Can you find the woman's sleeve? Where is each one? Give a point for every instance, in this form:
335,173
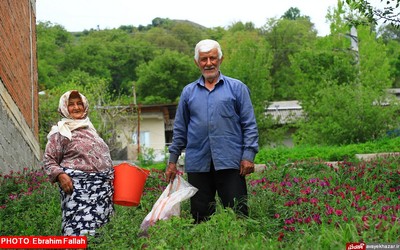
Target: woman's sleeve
52,157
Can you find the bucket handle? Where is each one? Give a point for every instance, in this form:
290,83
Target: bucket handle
141,169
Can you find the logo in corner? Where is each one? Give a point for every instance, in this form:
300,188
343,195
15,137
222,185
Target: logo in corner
356,246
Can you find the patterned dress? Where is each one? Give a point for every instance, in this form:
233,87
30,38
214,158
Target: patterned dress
86,159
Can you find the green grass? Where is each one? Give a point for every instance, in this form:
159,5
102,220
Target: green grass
283,155
302,205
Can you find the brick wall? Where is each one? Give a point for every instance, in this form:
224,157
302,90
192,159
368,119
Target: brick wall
19,125
18,70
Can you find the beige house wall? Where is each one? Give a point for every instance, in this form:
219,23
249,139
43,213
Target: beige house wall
150,123
155,126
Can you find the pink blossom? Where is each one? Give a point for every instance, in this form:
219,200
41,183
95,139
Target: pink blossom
13,196
307,190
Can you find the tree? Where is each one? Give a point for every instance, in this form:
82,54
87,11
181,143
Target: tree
287,37
389,33
188,32
391,38
248,57
163,78
353,116
343,98
52,41
240,26
388,12
163,39
293,13
109,54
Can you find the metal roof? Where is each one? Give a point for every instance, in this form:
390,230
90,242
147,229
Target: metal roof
284,111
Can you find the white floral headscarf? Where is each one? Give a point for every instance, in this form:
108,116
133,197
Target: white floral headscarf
67,123
63,104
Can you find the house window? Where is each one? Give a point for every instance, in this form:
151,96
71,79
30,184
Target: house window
144,138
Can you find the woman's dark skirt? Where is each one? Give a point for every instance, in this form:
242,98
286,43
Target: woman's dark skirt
90,205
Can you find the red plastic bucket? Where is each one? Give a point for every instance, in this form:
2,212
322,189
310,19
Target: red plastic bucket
129,183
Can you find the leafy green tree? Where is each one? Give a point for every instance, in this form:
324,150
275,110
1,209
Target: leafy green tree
216,33
389,33
293,13
189,32
163,78
286,38
52,41
161,22
317,69
248,57
342,92
371,49
109,54
393,56
391,38
163,39
240,26
341,114
128,28
389,12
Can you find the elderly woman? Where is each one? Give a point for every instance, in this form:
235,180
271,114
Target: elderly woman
79,160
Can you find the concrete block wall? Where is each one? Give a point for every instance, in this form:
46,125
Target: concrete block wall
15,151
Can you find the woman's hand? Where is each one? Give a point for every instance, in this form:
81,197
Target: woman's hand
65,183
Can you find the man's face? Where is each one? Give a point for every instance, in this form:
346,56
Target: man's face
209,64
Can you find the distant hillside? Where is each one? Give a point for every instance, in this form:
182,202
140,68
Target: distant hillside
190,22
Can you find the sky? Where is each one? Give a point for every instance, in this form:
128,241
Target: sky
78,15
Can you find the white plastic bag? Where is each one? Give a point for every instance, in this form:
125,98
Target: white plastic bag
169,202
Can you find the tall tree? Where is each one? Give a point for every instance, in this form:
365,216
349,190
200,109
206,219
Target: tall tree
188,32
343,92
387,11
52,41
109,54
391,37
293,13
248,57
162,79
286,38
164,39
389,33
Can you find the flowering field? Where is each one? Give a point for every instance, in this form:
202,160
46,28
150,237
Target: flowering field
303,205
358,202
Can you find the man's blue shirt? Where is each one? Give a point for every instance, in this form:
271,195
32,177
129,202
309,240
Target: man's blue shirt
219,124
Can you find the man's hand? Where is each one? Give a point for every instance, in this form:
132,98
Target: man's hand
246,167
171,171
65,183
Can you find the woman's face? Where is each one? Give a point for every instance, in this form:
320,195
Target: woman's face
75,108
